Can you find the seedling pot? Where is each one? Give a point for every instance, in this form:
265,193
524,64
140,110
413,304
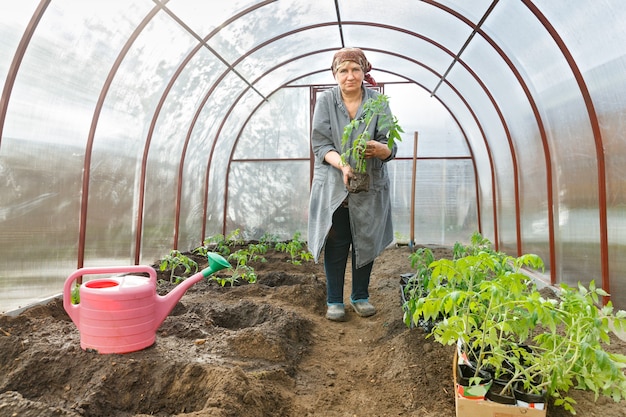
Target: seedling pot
360,182
477,391
529,400
494,394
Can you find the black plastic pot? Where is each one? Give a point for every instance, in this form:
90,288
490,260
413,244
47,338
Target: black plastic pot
426,325
463,375
505,373
465,372
494,394
522,396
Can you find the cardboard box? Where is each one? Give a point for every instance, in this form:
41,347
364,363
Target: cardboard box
485,408
466,407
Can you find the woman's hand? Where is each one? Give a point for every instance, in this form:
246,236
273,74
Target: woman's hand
377,149
334,159
347,172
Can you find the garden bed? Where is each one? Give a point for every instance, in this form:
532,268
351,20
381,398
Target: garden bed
261,349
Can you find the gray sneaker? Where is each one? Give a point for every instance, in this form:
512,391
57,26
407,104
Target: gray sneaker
336,312
363,308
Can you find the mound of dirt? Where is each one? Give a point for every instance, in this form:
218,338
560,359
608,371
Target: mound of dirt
261,349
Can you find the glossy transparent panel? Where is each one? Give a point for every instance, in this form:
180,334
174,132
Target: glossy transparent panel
265,194
227,137
282,50
278,129
569,139
445,201
203,17
603,64
198,136
473,10
475,87
290,73
604,68
13,22
319,77
269,198
42,151
438,134
122,136
440,174
270,21
201,124
522,126
389,44
409,16
476,142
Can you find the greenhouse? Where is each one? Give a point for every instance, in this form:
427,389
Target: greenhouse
132,129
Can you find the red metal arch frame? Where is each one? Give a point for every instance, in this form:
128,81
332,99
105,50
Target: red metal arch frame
203,42
269,41
597,137
11,76
456,58
286,84
456,92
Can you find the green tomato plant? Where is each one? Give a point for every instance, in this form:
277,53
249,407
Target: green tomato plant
296,248
174,260
374,109
483,302
220,243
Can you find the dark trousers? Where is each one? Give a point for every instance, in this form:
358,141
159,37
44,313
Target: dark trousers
336,253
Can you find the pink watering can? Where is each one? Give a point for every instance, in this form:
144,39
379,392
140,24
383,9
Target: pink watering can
121,314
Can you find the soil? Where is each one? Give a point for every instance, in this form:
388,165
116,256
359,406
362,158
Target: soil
262,349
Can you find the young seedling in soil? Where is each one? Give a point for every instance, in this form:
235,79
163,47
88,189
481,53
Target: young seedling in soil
374,110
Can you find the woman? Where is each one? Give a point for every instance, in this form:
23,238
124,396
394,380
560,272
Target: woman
339,220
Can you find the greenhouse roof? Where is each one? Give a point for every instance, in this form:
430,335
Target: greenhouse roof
131,127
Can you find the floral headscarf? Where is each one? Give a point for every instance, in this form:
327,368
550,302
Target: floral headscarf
354,55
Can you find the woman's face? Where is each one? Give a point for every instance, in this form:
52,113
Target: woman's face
349,76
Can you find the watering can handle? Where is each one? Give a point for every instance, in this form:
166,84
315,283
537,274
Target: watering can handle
67,288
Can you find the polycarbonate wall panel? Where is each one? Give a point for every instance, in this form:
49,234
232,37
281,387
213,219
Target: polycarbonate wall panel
122,135
384,45
42,152
410,70
13,22
528,46
445,201
522,125
269,197
447,182
286,73
283,50
218,170
479,152
607,83
162,168
500,147
268,22
278,129
603,66
323,77
473,10
413,16
203,17
570,140
53,109
196,137
417,111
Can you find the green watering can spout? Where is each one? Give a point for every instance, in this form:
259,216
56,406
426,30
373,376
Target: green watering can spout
216,263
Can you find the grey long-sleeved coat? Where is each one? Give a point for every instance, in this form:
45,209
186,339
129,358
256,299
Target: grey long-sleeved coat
370,212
